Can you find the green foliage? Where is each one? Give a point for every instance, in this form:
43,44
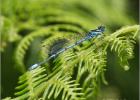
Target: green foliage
123,43
34,26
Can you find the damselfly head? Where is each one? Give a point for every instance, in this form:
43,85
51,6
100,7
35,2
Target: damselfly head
101,28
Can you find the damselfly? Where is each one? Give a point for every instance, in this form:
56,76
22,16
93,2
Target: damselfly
90,34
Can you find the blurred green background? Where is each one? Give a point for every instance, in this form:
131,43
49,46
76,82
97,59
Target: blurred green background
20,17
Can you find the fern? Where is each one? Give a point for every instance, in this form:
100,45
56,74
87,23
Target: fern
28,82
59,83
34,82
89,61
32,27
122,42
8,33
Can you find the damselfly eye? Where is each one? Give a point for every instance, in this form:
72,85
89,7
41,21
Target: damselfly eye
102,28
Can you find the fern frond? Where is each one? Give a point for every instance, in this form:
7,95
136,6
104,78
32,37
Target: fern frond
122,42
75,21
27,83
33,83
90,62
7,32
63,84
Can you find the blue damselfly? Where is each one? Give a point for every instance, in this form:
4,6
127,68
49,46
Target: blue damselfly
89,35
